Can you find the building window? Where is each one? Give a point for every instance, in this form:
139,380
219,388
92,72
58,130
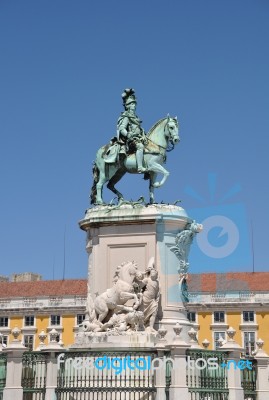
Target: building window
29,320
217,336
191,316
4,321
219,316
80,318
55,320
29,342
249,342
248,316
4,340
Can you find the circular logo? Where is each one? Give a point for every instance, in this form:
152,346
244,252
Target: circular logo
227,227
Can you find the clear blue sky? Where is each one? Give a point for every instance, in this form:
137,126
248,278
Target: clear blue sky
63,67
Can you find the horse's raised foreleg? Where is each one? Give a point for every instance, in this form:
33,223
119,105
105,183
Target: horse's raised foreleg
127,296
158,169
112,182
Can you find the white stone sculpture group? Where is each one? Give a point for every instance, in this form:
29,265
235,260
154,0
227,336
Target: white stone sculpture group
109,311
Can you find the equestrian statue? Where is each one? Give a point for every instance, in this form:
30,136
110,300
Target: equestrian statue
134,151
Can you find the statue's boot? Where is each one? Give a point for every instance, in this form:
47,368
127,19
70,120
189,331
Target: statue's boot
139,159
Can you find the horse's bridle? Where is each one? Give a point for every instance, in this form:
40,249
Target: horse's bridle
170,140
167,148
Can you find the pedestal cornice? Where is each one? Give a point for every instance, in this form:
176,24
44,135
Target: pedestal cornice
128,214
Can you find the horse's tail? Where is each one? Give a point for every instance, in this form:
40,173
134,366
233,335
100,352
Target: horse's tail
95,173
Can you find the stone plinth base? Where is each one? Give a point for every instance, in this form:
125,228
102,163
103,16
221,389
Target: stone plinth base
116,234
104,340
13,393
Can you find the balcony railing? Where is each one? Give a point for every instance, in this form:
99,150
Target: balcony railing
50,302
229,297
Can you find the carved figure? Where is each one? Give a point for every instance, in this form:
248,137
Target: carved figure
114,299
91,322
131,321
183,241
151,296
109,168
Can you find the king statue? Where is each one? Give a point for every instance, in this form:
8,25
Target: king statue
134,151
130,135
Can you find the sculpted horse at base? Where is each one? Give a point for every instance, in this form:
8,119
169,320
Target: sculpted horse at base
114,299
160,136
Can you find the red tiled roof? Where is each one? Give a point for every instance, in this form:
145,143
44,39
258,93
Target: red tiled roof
69,287
212,282
230,281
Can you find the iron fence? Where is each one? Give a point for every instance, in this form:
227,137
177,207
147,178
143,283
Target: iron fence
106,375
3,372
122,375
248,380
168,368
204,382
34,370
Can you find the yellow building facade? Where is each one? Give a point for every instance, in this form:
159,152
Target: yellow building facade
39,306
239,300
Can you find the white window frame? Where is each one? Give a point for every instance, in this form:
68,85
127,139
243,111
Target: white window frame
214,341
192,312
55,325
24,321
33,336
5,340
77,323
254,342
219,322
8,322
249,322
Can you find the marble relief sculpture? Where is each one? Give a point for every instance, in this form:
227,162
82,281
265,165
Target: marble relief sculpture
109,311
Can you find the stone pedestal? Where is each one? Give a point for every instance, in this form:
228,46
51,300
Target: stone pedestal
51,378
236,392
118,234
262,371
13,389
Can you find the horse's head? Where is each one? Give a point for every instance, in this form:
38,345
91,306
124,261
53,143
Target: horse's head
171,130
128,272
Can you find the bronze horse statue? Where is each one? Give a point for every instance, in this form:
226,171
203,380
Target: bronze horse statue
162,135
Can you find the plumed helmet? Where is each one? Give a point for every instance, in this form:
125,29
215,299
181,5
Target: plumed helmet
128,97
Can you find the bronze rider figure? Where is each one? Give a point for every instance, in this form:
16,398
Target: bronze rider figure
129,132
